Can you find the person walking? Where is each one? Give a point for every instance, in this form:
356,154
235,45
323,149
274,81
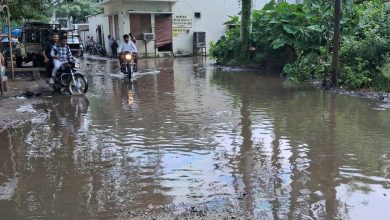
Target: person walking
114,46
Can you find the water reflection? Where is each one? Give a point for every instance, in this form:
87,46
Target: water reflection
268,148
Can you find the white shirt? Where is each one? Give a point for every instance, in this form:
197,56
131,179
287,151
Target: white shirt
130,47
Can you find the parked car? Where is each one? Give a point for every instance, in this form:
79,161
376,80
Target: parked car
75,45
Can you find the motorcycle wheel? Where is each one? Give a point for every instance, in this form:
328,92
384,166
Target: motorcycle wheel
78,86
129,70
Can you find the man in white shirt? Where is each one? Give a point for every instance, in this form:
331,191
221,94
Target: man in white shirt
128,46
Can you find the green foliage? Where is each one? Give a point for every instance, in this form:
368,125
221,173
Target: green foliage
385,69
29,10
308,66
305,33
78,10
227,48
364,55
234,20
42,10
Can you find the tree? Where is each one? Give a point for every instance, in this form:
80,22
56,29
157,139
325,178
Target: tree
29,10
246,12
77,10
336,42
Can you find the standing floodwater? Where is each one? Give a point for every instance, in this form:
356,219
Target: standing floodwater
192,134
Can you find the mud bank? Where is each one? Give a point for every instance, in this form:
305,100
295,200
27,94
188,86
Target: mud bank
16,111
17,104
381,96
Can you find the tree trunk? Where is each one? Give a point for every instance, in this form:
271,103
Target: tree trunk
336,42
245,27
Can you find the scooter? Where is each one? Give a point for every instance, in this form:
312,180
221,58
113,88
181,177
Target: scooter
69,80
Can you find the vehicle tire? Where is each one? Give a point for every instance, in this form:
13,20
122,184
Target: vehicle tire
78,86
129,70
19,61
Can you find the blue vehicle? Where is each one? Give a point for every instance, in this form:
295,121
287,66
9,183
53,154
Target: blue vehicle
15,31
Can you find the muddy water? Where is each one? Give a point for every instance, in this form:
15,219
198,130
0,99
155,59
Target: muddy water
192,135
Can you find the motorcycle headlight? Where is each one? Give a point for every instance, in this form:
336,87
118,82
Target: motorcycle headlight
128,56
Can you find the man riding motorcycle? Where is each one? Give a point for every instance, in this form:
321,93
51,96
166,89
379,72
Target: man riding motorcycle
128,46
61,54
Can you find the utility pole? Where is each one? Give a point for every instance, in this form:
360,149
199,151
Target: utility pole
336,42
10,44
8,2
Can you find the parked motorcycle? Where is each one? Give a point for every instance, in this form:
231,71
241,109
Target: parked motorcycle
128,65
69,80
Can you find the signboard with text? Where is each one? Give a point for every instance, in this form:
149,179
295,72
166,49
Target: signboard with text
181,24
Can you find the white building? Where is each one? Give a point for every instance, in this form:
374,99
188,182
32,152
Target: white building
171,22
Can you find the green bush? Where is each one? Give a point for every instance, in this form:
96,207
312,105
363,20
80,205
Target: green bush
363,54
299,39
385,69
227,48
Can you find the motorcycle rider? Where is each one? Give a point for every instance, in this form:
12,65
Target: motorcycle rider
128,46
61,54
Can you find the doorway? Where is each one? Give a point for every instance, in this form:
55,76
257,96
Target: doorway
163,32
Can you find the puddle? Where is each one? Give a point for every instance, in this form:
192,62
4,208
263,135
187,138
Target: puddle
26,108
177,137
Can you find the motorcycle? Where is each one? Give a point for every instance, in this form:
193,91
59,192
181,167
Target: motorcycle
69,80
128,65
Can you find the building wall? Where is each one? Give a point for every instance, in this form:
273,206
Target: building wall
125,8
213,14
211,21
94,22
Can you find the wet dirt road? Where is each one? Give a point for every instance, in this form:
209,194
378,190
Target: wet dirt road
242,144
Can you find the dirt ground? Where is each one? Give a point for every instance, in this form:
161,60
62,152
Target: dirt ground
16,104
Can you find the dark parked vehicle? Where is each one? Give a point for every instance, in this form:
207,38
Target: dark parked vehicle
75,45
34,36
5,46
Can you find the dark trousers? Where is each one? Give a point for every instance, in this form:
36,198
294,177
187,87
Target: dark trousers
114,51
49,67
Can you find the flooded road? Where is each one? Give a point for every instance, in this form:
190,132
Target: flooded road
186,134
